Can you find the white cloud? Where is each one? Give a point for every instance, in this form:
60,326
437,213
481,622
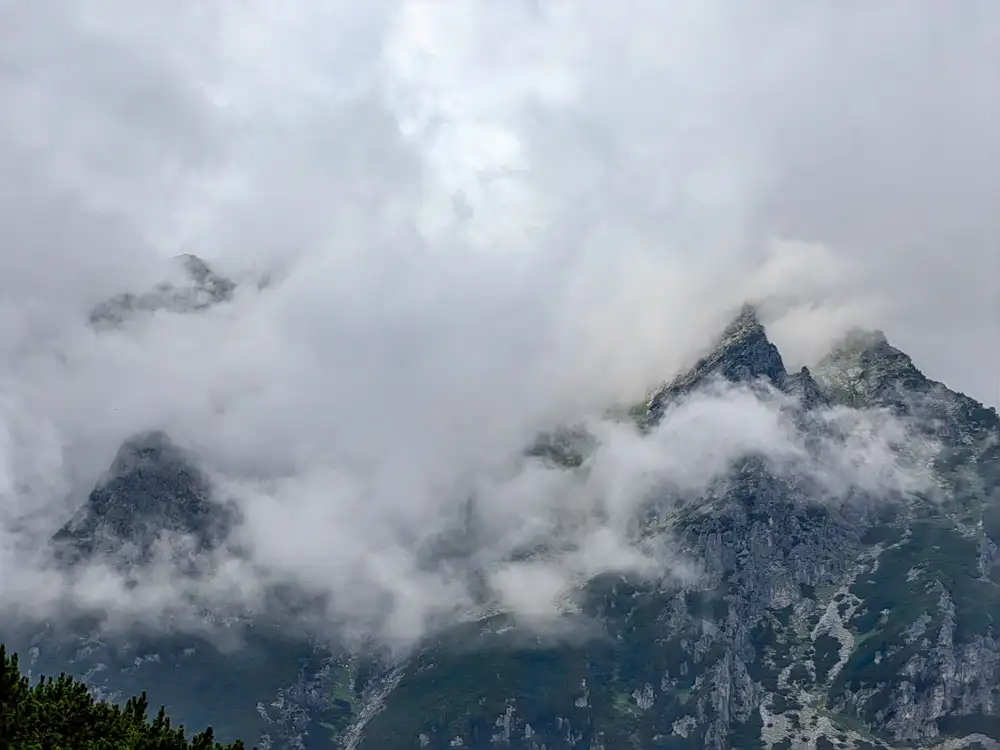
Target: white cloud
487,217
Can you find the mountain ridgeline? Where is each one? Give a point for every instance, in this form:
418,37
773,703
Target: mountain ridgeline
198,289
152,488
868,621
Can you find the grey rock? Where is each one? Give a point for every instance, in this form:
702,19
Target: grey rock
203,289
871,620
743,354
153,489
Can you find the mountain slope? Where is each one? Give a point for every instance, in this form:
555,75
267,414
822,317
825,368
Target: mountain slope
856,619
869,622
154,492
152,489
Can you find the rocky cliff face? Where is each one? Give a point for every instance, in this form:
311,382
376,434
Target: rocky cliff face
743,354
153,491
867,619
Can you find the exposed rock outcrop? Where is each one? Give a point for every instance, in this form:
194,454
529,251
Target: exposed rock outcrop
152,489
199,289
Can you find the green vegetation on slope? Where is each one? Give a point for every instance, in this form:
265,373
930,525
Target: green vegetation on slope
61,714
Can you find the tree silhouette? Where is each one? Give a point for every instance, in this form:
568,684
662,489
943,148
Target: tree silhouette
61,714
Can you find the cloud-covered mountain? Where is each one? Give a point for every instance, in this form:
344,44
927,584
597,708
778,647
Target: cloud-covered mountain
358,303
840,587
201,288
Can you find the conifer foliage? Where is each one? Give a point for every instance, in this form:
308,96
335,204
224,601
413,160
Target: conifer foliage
61,714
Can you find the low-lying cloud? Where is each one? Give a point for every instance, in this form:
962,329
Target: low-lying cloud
479,221
391,554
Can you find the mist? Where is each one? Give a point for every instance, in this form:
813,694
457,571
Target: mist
480,221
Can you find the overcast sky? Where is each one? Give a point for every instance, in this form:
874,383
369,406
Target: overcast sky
486,216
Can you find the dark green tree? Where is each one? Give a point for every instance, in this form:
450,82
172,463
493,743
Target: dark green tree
61,714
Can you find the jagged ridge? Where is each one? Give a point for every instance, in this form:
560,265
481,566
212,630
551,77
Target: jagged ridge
204,289
786,642
857,625
742,354
152,488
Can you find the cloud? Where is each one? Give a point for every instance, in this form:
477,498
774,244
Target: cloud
486,219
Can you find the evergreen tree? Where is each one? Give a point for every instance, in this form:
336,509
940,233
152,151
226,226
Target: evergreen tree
61,714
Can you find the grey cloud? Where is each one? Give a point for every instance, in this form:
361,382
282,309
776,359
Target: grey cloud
626,177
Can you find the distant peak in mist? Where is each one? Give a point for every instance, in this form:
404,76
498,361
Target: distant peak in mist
866,341
149,447
152,487
866,358
864,369
744,325
198,289
742,353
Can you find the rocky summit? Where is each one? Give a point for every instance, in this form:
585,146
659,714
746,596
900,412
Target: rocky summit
870,622
866,620
153,490
198,289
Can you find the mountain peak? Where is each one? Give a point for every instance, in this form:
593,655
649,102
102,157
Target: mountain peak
151,487
745,325
863,368
742,354
870,341
803,386
195,267
150,448
198,288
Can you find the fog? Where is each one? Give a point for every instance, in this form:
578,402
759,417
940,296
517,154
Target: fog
478,220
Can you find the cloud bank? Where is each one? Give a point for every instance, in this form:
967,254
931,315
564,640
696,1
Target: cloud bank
483,219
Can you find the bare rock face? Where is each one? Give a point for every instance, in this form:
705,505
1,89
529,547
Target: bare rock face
152,489
743,354
199,288
863,622
859,621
